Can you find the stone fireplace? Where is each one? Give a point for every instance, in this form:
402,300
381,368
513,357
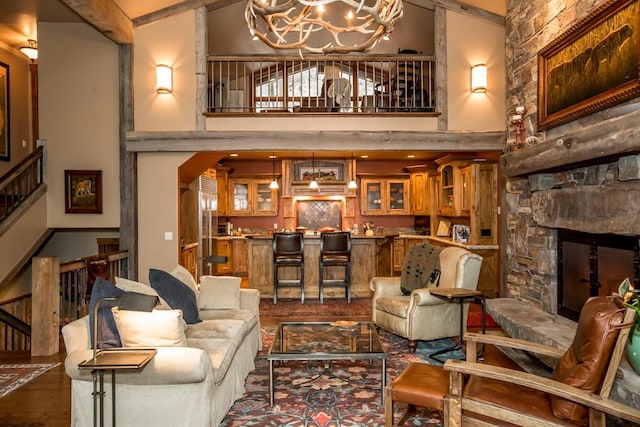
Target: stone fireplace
558,224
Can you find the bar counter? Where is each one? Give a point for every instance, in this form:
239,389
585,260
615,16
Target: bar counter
370,257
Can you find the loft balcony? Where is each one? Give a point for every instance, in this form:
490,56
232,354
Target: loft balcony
372,84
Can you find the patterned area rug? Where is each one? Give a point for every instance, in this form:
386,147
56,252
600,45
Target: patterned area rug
350,397
14,376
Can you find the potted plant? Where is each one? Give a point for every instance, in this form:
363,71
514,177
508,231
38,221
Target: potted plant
631,298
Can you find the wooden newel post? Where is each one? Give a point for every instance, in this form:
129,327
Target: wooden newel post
45,306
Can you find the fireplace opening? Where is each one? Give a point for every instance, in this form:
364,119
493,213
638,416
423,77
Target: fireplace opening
592,265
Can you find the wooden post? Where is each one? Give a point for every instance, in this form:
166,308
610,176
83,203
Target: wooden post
45,317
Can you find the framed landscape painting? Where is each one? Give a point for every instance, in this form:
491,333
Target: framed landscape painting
592,66
82,191
5,145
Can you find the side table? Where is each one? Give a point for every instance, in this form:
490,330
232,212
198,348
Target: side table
459,295
113,360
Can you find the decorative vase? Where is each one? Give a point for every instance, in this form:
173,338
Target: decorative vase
633,352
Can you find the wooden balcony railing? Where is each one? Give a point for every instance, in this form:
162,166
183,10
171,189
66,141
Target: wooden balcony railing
333,84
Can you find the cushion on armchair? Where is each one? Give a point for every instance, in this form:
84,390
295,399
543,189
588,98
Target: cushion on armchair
585,363
219,292
420,268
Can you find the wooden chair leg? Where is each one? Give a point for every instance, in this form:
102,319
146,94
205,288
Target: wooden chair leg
388,406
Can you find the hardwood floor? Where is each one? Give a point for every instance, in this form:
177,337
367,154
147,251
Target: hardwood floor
46,401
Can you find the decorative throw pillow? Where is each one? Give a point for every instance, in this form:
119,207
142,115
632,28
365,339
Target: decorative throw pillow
158,328
585,363
219,292
185,277
176,294
134,301
128,285
107,332
420,268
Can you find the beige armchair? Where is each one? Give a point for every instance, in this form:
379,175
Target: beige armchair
422,316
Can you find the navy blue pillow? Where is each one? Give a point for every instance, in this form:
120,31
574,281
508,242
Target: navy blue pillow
108,336
176,294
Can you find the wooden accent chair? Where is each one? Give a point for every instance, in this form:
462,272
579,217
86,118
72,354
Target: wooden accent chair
577,393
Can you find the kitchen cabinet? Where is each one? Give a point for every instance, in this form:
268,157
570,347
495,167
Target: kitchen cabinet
223,196
419,182
398,255
384,196
240,254
252,197
466,193
224,248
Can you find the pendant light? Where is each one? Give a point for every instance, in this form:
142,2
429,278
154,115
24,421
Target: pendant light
274,183
353,184
314,184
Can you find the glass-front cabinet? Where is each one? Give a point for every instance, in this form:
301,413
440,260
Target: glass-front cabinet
384,196
252,197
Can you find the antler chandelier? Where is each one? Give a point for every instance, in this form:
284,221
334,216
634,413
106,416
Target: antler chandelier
343,26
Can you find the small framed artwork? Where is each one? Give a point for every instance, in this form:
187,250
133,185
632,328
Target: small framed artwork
461,233
5,142
83,191
444,228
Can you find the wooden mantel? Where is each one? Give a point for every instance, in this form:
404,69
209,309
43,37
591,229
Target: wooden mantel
606,139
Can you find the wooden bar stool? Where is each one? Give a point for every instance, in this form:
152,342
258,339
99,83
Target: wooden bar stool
335,251
288,251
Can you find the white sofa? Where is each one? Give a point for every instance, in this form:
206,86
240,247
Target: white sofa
192,385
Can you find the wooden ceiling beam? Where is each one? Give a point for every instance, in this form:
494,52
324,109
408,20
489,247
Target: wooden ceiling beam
106,16
460,7
179,8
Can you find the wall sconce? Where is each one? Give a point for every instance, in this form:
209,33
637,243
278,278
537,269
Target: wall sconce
479,78
164,79
30,49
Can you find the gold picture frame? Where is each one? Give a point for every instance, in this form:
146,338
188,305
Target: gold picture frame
5,141
591,66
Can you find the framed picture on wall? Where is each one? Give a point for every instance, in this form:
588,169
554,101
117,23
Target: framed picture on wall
461,233
593,65
83,191
5,142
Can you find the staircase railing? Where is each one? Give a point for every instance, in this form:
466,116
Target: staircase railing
20,182
76,278
15,334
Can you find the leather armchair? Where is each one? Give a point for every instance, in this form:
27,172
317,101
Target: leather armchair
422,316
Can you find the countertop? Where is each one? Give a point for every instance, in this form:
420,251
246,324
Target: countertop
446,240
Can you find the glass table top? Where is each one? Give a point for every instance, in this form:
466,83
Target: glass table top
335,340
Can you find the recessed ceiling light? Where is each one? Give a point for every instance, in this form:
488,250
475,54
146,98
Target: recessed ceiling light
410,156
233,155
364,156
478,159
273,156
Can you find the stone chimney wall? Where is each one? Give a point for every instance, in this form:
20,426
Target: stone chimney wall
584,175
